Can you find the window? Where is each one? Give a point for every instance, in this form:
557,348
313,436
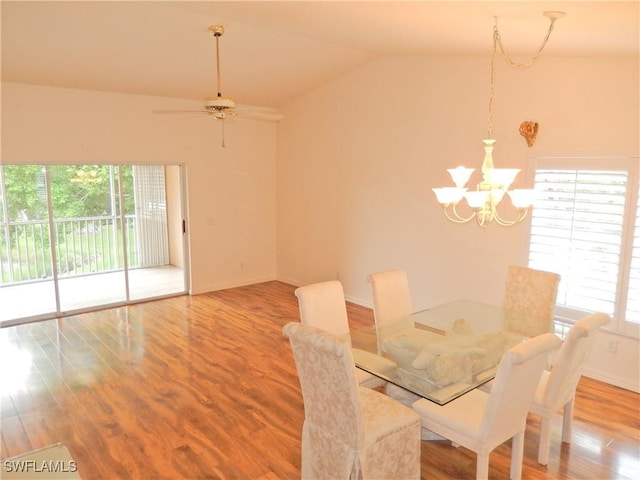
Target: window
586,226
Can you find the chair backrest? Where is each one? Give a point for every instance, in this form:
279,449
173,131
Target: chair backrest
567,366
514,386
328,381
391,296
322,305
529,300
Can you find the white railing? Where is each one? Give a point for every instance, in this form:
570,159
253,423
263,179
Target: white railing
82,246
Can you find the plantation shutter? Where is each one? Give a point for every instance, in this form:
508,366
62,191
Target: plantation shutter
577,231
633,297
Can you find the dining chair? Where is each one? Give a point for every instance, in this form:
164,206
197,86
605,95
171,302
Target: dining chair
391,300
481,421
322,305
349,431
529,300
557,386
392,309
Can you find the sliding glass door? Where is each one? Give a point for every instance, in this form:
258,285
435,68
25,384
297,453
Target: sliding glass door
88,236
78,237
26,267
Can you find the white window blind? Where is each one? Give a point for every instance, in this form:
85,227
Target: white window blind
582,228
151,215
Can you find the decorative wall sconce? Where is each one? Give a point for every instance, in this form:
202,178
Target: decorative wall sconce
529,130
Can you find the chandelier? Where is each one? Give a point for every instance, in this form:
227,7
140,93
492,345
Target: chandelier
488,194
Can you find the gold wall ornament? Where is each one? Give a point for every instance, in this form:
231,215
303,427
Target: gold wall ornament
529,130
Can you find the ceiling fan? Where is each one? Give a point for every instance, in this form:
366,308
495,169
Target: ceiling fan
221,108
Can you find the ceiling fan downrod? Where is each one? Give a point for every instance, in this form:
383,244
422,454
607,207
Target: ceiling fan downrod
217,31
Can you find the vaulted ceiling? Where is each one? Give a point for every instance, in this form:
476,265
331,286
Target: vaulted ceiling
273,51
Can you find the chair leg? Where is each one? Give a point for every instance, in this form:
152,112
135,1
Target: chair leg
517,454
545,439
567,421
482,466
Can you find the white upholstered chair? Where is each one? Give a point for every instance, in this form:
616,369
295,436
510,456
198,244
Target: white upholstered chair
481,421
529,300
391,302
391,299
392,307
557,386
349,432
322,305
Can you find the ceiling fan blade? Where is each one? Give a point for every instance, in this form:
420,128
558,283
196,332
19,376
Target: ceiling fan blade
267,114
267,117
169,112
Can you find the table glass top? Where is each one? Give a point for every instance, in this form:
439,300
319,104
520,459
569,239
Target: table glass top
442,352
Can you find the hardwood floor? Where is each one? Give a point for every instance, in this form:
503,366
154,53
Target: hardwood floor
206,387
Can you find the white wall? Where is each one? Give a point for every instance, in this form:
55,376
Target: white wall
231,191
357,159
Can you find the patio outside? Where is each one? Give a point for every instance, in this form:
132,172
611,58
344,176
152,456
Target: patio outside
82,225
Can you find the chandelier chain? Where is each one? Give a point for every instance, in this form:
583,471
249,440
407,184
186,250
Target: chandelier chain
534,58
497,42
492,83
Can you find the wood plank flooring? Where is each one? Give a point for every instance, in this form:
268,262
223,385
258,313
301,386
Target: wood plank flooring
206,387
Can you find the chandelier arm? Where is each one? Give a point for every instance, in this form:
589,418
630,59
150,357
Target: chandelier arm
522,213
457,218
533,59
481,220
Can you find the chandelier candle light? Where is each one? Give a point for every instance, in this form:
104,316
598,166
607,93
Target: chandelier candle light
484,200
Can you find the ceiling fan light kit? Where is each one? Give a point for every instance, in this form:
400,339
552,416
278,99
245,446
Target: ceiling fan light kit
218,103
488,194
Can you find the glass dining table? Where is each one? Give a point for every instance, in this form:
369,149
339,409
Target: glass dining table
442,352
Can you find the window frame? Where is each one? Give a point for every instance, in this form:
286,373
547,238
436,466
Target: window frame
568,315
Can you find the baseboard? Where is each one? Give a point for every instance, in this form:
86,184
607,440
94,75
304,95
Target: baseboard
289,281
626,383
226,285
348,298
358,301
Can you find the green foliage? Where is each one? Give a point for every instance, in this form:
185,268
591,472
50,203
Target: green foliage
76,191
25,190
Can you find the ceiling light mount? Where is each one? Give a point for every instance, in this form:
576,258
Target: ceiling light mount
216,30
553,15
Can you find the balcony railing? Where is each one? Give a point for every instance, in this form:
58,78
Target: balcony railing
82,246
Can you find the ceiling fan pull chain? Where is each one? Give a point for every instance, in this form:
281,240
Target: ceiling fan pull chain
222,123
